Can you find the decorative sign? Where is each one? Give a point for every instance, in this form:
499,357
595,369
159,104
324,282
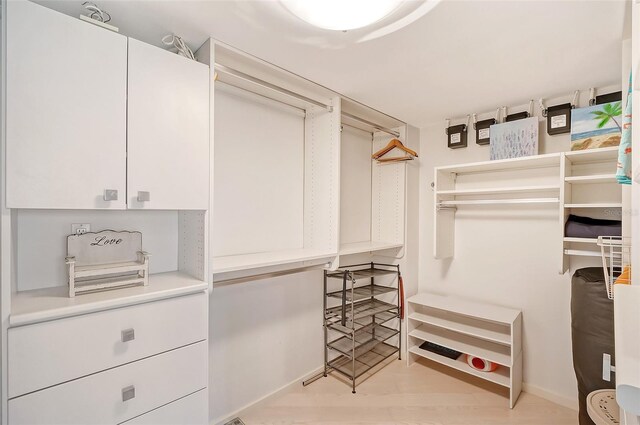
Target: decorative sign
104,247
457,136
514,139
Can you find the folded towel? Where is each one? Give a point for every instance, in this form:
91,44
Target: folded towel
623,173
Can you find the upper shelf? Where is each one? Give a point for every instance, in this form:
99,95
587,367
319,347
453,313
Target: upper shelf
592,155
368,246
53,303
233,263
596,178
548,160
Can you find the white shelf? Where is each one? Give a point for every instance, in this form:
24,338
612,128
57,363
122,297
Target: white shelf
368,246
234,263
595,205
593,155
582,253
499,190
54,303
486,331
465,344
463,328
500,376
596,178
537,161
501,201
581,240
466,308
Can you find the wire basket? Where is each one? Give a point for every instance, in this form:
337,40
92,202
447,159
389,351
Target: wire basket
616,259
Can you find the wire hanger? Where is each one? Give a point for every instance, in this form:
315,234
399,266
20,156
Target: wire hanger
393,144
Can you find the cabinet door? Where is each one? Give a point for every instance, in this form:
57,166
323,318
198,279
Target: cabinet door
66,111
168,130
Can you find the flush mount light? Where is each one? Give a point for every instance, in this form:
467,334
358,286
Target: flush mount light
341,15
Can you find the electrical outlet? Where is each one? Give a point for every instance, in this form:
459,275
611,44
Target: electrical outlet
80,229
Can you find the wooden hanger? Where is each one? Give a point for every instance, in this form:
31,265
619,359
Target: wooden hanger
394,143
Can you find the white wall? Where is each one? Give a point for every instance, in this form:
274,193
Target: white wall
508,256
263,335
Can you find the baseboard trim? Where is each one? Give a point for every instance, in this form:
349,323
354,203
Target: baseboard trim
263,400
561,400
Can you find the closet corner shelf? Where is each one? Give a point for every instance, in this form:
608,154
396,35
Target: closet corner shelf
40,305
596,178
593,155
368,246
233,263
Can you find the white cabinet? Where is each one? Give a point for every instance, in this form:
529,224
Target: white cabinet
167,130
79,346
118,394
66,111
85,116
113,365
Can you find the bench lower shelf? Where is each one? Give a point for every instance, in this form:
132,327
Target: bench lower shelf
500,376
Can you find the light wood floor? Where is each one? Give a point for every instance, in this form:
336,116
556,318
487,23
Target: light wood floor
422,394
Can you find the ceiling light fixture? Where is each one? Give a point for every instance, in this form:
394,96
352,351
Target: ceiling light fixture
341,15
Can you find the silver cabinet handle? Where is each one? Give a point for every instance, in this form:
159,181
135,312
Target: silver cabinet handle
110,195
144,196
128,335
128,393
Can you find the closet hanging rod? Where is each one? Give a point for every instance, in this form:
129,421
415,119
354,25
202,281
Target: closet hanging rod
266,275
246,77
372,124
289,105
500,201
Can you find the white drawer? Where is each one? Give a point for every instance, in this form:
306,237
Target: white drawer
98,399
190,410
49,353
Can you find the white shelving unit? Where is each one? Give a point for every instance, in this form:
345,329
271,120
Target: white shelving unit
589,189
482,330
372,195
282,210
520,182
579,182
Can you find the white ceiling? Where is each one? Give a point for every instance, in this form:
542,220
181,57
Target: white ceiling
461,57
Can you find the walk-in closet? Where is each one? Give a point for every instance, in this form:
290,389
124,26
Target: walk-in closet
245,212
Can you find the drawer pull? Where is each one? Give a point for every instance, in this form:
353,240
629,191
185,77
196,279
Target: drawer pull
144,196
128,393
110,195
128,335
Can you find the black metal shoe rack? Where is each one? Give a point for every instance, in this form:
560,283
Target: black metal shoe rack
360,319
